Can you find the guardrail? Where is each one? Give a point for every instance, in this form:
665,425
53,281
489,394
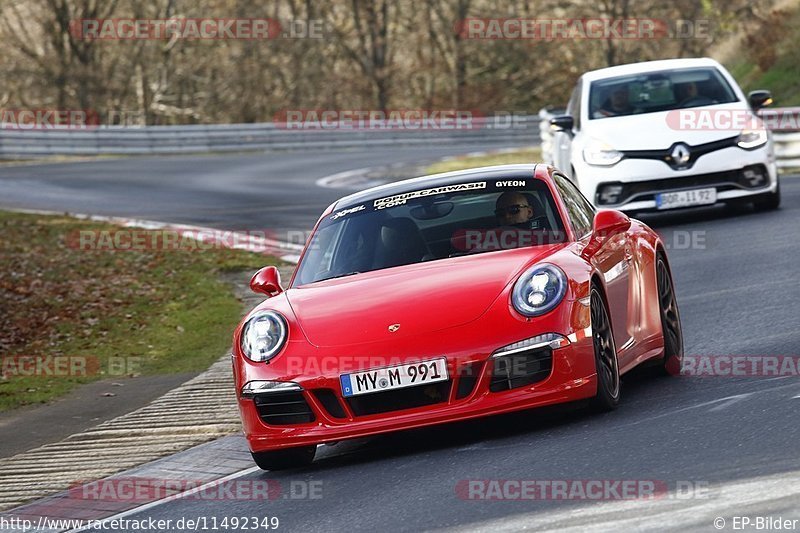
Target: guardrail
787,142
150,140
787,151
116,140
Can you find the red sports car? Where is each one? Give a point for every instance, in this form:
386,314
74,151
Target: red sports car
451,297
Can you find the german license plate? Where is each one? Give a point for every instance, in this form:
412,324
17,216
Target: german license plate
672,200
394,377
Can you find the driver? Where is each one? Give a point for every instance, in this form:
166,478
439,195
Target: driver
686,92
618,103
514,209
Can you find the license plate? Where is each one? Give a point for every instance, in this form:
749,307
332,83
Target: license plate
671,200
394,377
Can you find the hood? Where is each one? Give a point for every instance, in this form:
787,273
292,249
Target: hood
422,298
659,131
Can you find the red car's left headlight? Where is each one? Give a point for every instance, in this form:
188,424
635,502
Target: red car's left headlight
263,336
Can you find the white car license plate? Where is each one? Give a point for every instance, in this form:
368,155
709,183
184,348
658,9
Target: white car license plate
671,200
394,377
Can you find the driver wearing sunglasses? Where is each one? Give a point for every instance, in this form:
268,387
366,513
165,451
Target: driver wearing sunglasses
513,209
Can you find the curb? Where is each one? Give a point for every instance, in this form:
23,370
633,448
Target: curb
285,251
202,409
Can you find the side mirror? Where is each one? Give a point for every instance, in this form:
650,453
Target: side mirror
759,99
266,281
562,123
610,222
607,223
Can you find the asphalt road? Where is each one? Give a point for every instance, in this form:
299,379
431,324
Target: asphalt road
734,440
274,191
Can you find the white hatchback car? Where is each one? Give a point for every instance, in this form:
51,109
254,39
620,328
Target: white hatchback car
666,134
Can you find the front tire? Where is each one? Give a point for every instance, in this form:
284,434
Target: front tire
670,319
283,459
605,355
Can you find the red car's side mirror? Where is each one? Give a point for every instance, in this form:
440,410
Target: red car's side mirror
266,281
607,223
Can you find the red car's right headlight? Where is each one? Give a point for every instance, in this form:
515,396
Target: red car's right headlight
539,289
263,335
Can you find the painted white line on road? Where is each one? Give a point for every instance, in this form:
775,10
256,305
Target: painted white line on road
774,495
335,181
357,179
710,402
173,497
730,401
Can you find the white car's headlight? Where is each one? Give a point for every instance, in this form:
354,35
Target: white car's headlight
539,289
601,154
263,336
751,139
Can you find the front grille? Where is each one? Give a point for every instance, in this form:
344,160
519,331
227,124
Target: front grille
695,152
521,369
396,400
283,408
723,181
328,400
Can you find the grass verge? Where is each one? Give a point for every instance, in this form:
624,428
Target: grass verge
523,155
101,314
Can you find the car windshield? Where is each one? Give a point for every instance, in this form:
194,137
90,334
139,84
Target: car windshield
658,91
430,224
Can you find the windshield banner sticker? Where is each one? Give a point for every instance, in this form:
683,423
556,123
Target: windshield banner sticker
400,199
343,212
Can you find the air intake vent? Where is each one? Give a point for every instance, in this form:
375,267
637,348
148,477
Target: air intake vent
521,369
467,379
283,408
329,401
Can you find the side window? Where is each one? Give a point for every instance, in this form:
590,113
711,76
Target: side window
581,212
574,106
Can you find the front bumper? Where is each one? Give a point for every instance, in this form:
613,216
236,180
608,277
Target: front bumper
736,174
317,412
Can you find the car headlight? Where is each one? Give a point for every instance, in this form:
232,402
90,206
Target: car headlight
751,139
263,336
601,154
539,289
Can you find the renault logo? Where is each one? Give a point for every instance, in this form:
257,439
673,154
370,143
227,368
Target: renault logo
680,154
394,327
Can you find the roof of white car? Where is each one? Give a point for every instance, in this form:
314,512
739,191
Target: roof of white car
648,66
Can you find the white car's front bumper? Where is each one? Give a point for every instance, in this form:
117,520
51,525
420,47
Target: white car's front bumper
642,179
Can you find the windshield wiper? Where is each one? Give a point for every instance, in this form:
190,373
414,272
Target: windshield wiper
353,273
